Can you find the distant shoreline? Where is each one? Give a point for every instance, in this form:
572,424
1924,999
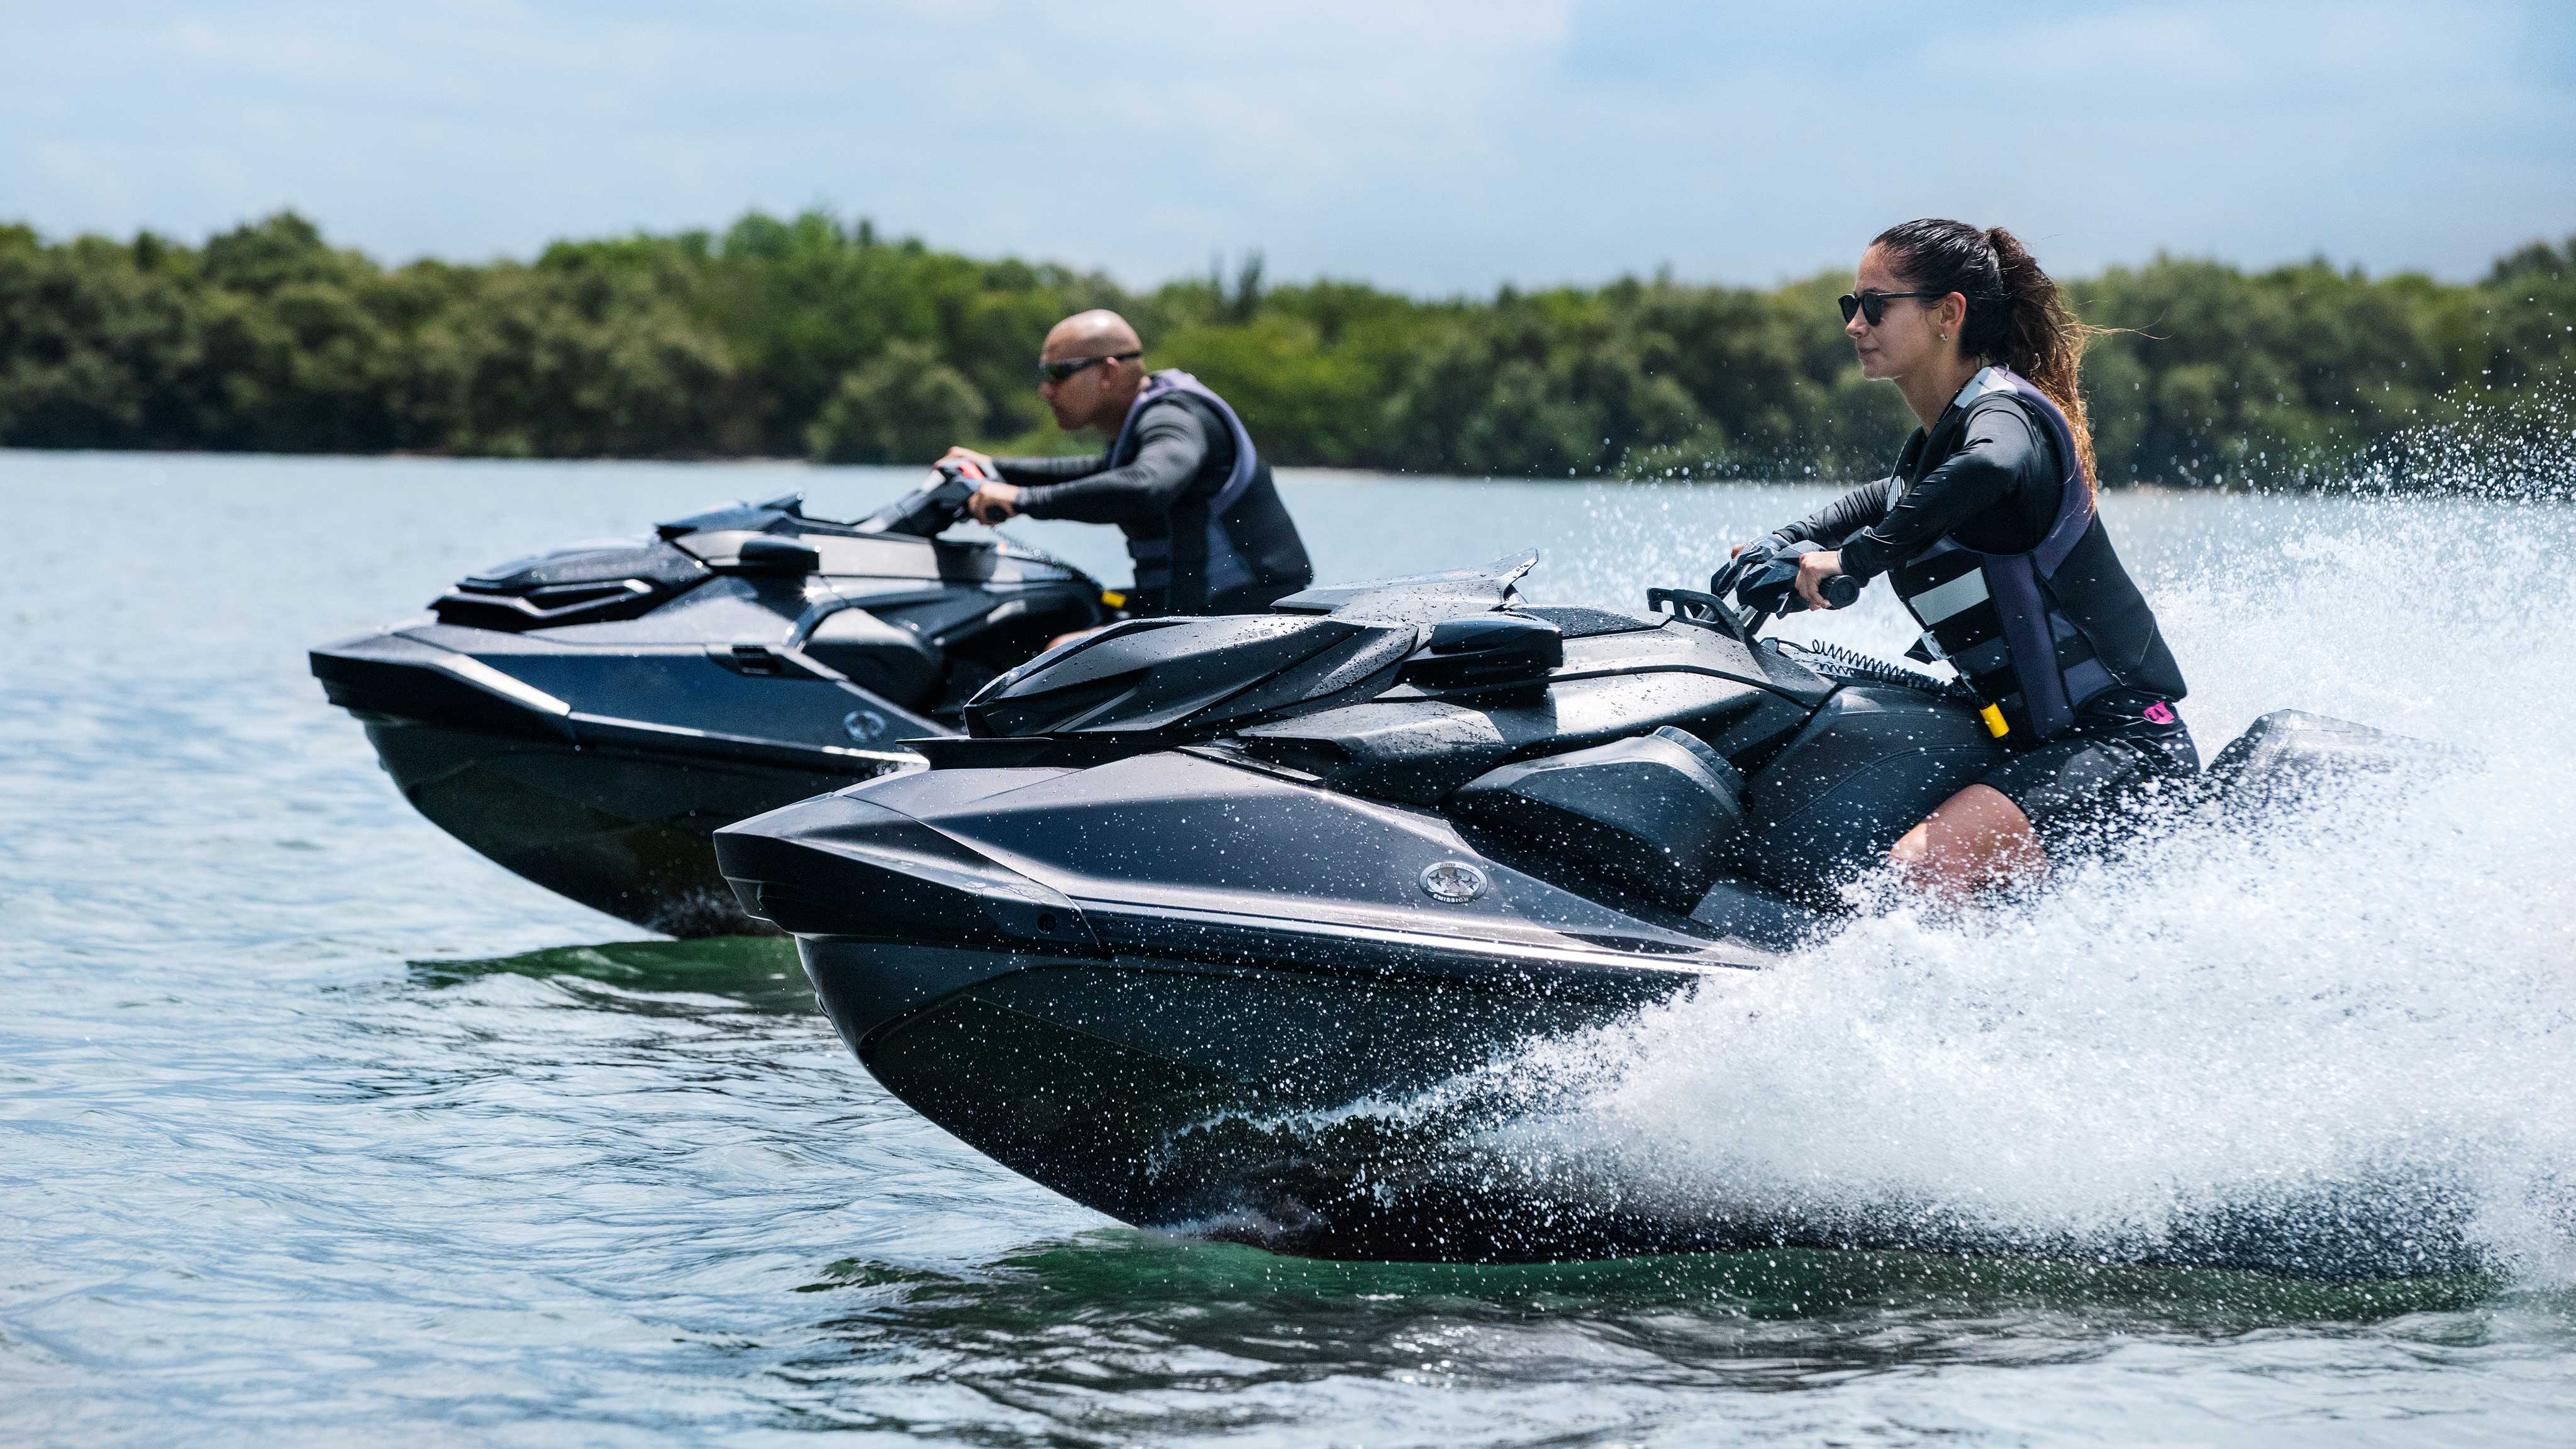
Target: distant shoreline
810,337
787,470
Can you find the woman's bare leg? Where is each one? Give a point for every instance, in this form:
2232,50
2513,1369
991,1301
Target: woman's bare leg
1976,840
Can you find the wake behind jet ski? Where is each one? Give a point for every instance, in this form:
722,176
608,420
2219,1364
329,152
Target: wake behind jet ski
1192,890
587,717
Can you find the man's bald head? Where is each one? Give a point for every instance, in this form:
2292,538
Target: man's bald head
1096,333
1097,396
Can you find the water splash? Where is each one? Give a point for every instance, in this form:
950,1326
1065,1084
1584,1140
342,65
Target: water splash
2336,1038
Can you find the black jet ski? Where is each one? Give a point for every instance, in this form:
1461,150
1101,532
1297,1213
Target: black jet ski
1193,893
588,717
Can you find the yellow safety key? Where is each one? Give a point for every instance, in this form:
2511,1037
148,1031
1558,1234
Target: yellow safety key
1994,719
1113,598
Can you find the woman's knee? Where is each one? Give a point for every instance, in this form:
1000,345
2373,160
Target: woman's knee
1976,840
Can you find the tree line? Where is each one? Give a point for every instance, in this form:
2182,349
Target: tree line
812,337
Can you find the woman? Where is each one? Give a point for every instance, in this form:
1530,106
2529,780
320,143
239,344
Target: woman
1988,533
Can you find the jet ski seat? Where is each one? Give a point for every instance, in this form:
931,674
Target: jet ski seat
582,585
1659,815
1872,761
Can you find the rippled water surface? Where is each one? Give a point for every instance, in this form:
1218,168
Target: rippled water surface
319,1127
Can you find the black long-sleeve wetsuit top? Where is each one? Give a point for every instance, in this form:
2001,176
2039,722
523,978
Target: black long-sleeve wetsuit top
1987,476
1996,490
1175,446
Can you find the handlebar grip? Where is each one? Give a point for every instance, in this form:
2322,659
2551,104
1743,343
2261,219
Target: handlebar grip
1841,591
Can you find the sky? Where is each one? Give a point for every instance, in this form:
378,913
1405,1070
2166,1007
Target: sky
1436,147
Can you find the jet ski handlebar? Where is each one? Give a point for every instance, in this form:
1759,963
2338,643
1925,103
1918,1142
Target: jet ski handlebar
934,507
1764,580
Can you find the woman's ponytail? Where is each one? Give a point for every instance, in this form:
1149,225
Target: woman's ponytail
2016,315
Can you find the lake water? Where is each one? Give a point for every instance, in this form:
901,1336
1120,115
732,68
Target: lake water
321,1128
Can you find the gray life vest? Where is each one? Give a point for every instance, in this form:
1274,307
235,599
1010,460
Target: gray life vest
1224,534
2037,635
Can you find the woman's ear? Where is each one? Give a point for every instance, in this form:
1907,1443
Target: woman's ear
1954,314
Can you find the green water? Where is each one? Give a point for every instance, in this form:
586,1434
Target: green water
320,1128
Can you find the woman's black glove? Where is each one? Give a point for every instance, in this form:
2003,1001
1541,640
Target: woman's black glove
1770,586
1745,560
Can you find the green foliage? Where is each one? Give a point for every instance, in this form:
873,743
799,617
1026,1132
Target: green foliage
806,335
903,405
2227,375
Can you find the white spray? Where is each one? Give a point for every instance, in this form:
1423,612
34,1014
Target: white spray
2343,1029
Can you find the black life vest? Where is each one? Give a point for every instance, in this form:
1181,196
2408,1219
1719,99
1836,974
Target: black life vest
1228,531
2038,635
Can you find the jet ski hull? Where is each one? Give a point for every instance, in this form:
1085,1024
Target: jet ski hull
614,812
628,833
1216,1099
1013,953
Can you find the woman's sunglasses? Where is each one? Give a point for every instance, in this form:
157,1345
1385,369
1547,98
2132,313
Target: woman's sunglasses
1873,305
1059,371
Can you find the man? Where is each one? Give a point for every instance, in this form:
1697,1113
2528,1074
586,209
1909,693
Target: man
1181,477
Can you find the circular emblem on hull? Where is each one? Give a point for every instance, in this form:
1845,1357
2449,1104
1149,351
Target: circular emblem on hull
866,726
1453,881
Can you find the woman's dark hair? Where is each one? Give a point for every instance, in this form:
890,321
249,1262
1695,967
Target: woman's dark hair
2015,314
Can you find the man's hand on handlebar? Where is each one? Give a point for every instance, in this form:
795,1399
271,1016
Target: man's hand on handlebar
1813,569
993,500
993,503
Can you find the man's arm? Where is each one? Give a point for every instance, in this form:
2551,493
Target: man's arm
1172,446
1036,472
997,497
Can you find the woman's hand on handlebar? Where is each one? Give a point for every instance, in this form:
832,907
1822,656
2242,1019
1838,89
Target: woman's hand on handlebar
1813,569
969,455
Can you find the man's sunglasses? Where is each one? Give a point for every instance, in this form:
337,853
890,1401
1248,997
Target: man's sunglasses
1873,305
1059,371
